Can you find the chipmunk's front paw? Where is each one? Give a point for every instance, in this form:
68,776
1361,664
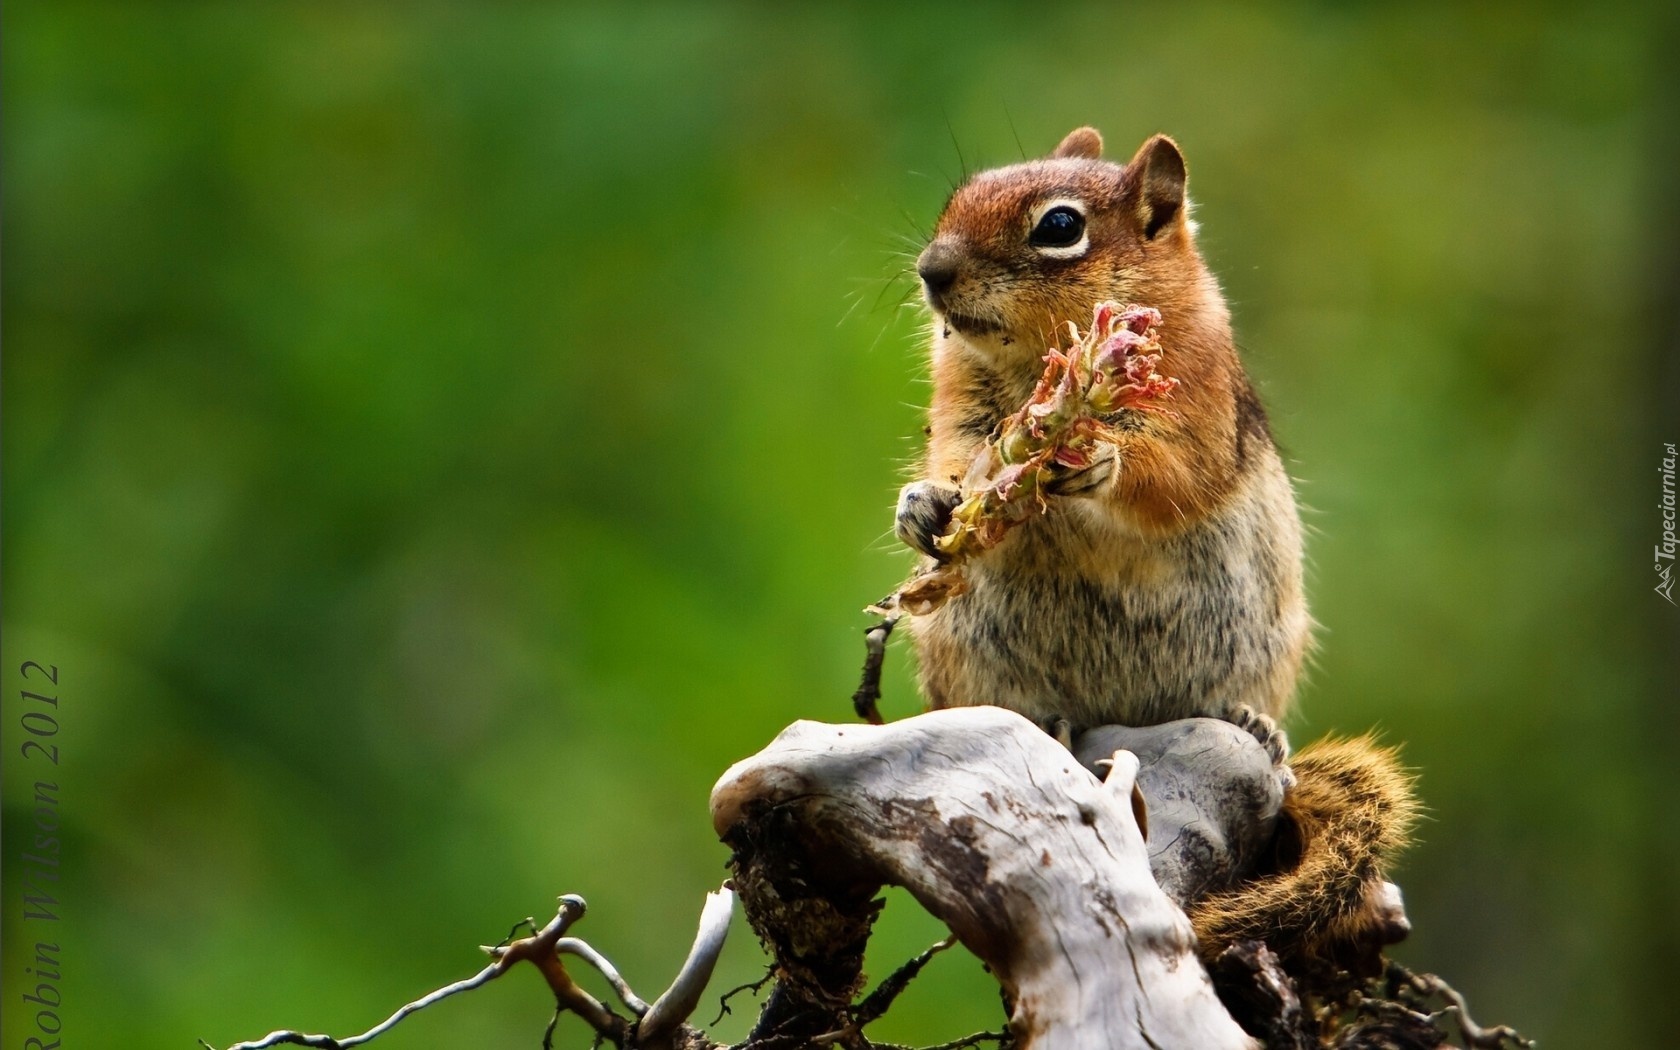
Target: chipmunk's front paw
1273,739
924,512
1082,481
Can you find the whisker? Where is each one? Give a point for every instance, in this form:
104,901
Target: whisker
1008,117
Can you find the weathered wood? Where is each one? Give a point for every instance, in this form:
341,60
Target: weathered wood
1214,799
1038,867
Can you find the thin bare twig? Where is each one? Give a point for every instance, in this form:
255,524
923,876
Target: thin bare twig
525,923
571,909
583,950
1427,984
868,693
967,1042
753,986
877,1002
553,1023
971,1040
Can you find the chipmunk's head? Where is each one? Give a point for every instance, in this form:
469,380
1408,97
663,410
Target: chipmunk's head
1020,250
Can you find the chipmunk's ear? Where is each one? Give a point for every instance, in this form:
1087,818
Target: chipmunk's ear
1080,142
1156,176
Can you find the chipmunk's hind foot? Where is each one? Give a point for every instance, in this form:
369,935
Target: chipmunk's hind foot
1265,729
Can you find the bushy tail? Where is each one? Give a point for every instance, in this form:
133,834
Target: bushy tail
1351,810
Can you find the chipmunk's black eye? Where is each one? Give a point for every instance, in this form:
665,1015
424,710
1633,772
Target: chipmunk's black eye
1060,227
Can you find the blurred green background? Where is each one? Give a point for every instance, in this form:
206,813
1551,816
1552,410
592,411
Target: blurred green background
438,440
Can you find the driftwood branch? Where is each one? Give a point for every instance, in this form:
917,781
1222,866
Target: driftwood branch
1038,868
1066,872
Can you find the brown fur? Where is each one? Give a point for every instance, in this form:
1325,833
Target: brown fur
1352,811
1172,586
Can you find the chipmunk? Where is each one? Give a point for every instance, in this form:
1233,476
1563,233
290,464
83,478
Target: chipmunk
1169,583
1163,581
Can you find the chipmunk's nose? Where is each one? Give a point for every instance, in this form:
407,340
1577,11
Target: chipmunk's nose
937,267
